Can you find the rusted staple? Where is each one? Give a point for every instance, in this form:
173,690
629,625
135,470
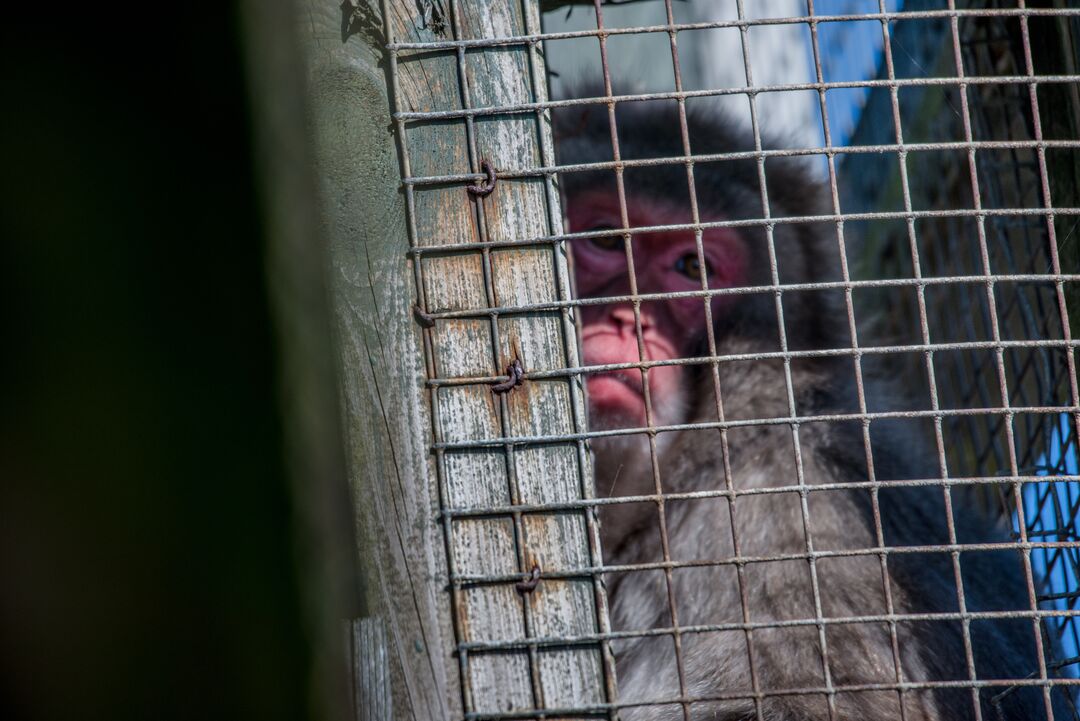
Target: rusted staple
483,188
515,373
530,583
424,319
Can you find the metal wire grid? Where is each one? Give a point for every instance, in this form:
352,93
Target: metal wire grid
1042,376
1045,444
984,216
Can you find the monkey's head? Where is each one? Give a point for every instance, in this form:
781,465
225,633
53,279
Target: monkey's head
669,261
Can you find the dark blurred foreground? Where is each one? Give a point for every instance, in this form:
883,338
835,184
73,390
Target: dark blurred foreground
146,535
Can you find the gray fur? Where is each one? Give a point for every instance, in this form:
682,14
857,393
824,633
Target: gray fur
763,456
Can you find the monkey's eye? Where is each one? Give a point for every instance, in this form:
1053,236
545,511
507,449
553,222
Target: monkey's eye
606,242
690,266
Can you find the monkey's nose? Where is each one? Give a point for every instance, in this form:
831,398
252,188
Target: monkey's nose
623,317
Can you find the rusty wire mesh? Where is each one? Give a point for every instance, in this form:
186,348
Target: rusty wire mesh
958,203
1014,174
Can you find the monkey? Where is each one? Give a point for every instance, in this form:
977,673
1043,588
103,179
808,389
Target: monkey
730,604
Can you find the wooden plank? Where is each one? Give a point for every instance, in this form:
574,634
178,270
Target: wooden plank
370,667
517,679
307,376
400,552
408,554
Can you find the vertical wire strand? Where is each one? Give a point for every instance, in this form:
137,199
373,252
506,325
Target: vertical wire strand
642,355
692,191
924,327
1044,183
714,367
456,602
496,350
980,226
570,338
1059,285
860,388
744,29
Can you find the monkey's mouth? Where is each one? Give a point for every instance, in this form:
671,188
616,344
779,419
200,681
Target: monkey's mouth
629,378
617,395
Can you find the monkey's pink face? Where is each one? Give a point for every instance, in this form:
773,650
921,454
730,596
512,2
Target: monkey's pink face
664,262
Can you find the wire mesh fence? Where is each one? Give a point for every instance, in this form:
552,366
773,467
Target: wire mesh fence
1011,175
840,474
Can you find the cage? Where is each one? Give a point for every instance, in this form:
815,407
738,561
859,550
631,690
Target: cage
879,261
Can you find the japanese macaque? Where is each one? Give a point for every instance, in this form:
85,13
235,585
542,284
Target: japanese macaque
770,575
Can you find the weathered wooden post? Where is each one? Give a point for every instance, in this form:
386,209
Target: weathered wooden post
482,601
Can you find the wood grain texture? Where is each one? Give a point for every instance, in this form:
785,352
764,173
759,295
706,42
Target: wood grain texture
370,667
412,558
400,553
307,378
518,679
